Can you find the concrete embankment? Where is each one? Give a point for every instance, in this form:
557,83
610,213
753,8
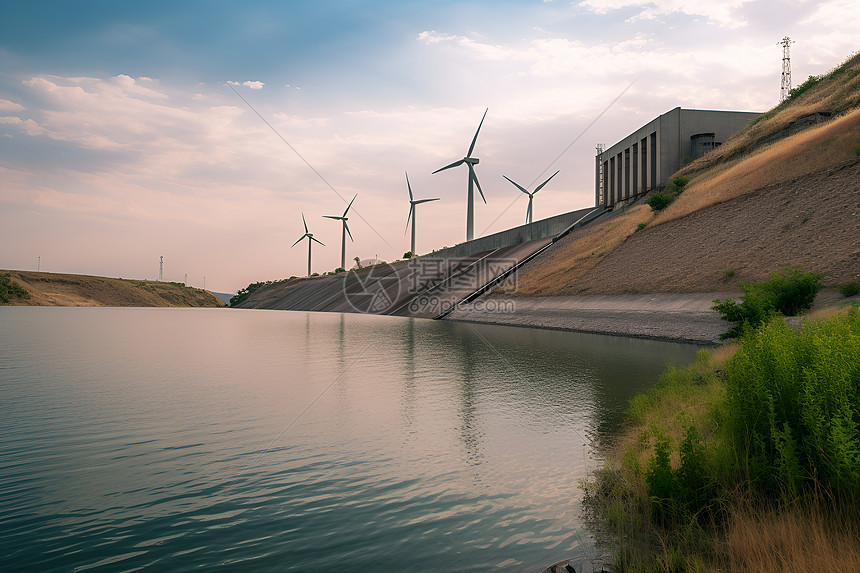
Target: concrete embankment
422,288
674,317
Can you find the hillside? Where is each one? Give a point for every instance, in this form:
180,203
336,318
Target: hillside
53,289
784,192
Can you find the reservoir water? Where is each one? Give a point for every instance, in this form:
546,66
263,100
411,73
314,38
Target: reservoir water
189,439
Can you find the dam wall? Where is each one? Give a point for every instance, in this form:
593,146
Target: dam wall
543,229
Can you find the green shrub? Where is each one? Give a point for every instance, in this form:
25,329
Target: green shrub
729,274
9,289
658,201
850,289
408,255
786,293
246,292
641,226
812,81
856,149
794,406
661,199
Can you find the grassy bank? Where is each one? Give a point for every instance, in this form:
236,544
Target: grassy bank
29,288
747,460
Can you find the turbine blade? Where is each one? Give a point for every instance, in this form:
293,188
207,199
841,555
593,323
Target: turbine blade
475,179
409,186
350,205
300,240
333,217
419,201
517,185
345,226
305,223
455,164
544,183
411,210
474,139
318,241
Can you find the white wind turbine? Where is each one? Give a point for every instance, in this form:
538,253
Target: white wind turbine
310,237
473,181
343,218
531,195
412,214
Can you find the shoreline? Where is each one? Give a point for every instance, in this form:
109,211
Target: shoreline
685,318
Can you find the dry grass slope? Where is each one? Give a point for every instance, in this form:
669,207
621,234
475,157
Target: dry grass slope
556,272
54,289
770,197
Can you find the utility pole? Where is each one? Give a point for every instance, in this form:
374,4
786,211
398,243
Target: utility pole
785,87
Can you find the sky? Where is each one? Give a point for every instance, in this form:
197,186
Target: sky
200,132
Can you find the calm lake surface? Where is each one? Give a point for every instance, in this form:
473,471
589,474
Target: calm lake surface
189,439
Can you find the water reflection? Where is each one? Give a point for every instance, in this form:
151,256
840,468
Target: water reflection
300,441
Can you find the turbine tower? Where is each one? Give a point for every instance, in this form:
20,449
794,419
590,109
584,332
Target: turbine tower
412,214
785,87
309,236
531,195
473,182
343,218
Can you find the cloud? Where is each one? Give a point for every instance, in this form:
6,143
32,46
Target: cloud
255,85
725,12
27,126
6,105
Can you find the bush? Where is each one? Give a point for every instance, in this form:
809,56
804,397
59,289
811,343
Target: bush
793,406
812,81
856,149
246,292
788,294
850,289
658,201
408,255
663,198
9,288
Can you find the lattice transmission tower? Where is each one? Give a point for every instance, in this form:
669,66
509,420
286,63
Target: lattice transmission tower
785,88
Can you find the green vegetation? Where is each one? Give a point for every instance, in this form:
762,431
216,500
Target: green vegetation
812,81
729,274
787,293
850,289
856,149
408,255
661,199
641,226
246,292
722,446
9,289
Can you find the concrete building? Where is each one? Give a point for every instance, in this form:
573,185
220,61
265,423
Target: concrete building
646,158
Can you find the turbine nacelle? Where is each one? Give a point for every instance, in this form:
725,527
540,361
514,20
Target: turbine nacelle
471,160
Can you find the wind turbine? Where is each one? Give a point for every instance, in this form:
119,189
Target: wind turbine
310,238
473,181
531,195
343,218
412,214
